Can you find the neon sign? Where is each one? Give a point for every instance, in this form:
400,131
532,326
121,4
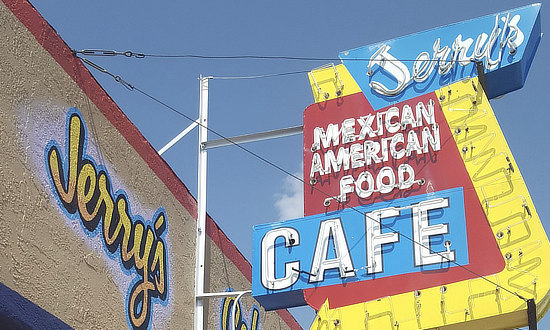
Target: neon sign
505,42
406,188
492,301
510,36
398,133
292,258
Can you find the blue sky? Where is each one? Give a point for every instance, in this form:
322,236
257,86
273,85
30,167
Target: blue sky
242,191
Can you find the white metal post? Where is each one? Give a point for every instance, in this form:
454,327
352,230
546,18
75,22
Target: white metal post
202,297
178,137
201,206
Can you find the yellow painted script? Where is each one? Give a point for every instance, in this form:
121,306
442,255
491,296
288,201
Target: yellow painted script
240,324
82,188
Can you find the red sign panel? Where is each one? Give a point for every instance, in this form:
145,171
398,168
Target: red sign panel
355,156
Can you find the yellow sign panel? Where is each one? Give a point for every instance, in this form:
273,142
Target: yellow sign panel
331,82
496,301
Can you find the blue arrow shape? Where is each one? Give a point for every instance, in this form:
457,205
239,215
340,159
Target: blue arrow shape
405,67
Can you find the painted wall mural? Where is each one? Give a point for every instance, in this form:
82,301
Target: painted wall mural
127,237
85,193
239,321
96,229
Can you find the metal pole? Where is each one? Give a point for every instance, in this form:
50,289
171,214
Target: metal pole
201,206
178,137
481,77
532,314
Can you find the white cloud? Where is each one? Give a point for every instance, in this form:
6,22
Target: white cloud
290,203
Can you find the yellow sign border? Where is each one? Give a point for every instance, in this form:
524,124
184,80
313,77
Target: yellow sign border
492,302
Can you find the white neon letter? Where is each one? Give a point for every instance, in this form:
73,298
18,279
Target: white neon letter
385,172
394,67
332,135
375,239
342,261
268,261
392,112
422,232
346,187
348,130
408,182
364,177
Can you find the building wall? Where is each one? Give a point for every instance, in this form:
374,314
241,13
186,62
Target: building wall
80,186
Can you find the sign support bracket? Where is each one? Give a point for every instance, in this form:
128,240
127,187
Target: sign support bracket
283,132
532,314
178,137
481,76
200,253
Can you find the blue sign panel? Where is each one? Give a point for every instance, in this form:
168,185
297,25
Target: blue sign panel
403,68
358,244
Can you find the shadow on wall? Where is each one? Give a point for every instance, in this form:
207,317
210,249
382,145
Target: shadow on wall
16,312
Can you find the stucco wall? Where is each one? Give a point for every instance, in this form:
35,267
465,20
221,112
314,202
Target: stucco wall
50,252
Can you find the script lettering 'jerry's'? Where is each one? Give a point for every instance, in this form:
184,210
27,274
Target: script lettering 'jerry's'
83,188
510,36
